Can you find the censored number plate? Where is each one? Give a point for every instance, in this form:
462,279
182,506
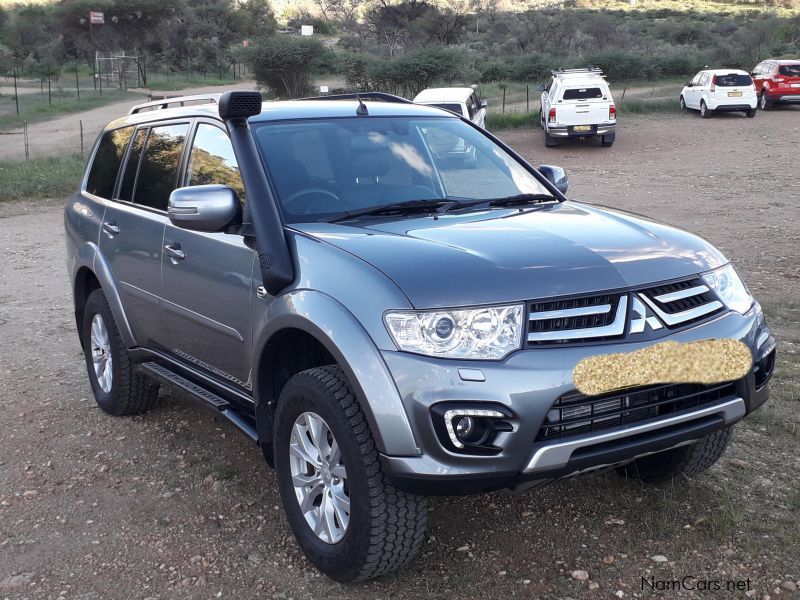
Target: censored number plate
734,94
796,85
583,128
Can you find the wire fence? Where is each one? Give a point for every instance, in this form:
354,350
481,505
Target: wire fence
32,141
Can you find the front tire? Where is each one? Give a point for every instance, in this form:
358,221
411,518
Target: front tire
704,111
118,389
328,468
684,108
764,103
682,461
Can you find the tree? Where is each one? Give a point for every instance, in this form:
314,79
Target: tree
283,64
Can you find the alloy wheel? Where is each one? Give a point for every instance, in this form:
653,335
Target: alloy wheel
101,354
319,477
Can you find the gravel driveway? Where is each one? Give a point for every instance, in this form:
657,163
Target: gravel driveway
175,504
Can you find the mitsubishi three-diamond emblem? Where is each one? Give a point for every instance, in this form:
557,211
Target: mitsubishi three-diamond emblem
641,319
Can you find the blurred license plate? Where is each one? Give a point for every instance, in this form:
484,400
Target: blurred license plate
583,128
734,94
796,85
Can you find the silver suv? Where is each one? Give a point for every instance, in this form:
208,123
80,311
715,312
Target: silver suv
385,321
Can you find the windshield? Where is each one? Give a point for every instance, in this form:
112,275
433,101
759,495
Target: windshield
789,70
323,168
733,80
453,108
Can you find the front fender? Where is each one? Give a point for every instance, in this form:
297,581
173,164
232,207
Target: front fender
344,337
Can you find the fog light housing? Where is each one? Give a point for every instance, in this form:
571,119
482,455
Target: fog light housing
470,428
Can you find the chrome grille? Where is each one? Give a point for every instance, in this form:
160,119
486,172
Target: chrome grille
682,302
575,414
602,317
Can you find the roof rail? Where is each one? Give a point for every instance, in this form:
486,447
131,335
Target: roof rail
364,96
589,69
177,100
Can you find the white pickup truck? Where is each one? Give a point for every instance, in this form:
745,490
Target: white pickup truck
577,103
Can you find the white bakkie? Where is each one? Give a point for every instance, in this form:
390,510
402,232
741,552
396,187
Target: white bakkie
577,103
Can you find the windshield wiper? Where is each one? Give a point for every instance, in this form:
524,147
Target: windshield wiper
521,199
408,206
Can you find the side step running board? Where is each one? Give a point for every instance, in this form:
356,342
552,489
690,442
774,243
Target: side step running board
245,423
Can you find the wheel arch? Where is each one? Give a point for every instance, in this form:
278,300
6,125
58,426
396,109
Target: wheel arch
323,329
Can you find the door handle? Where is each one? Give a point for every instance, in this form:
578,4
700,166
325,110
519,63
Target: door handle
174,252
110,228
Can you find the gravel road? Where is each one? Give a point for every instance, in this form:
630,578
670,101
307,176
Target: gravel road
175,504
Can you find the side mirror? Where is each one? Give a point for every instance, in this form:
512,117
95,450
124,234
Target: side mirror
688,84
483,104
203,207
541,87
555,175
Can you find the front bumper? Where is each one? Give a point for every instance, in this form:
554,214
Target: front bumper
569,131
527,383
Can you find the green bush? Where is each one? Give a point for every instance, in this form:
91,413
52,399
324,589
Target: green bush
283,64
495,70
533,66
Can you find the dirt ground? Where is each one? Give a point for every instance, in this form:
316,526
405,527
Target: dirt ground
174,504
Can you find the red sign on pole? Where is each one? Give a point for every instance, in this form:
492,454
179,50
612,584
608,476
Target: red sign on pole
96,17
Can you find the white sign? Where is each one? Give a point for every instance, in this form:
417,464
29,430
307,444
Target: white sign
306,30
96,17
323,89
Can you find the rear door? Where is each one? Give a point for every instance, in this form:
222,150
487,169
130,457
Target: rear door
133,227
208,282
583,105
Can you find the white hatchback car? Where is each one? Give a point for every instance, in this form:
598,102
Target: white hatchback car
720,90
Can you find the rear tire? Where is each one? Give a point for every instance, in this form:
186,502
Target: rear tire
750,113
382,528
683,461
607,140
704,111
118,389
549,140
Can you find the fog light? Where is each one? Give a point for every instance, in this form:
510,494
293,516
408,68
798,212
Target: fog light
464,427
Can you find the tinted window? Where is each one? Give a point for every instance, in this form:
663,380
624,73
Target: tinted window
453,108
583,93
789,70
212,160
107,160
733,80
159,170
132,166
697,78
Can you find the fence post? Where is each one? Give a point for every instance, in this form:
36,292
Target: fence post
25,136
527,98
77,83
16,95
504,100
80,123
49,95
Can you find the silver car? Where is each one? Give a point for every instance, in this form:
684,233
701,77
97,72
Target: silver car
385,323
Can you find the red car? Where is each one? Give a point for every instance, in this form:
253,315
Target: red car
777,81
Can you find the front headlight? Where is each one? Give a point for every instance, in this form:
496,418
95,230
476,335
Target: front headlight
476,333
730,289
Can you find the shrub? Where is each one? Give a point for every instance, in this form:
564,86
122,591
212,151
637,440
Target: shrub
533,66
283,64
495,70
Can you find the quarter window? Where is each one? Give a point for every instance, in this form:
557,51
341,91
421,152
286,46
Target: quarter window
159,170
212,160
107,161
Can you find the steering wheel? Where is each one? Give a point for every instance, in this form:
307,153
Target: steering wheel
309,206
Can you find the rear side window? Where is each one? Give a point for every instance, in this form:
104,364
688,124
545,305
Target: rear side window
733,80
132,166
789,70
212,160
588,93
158,172
107,160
